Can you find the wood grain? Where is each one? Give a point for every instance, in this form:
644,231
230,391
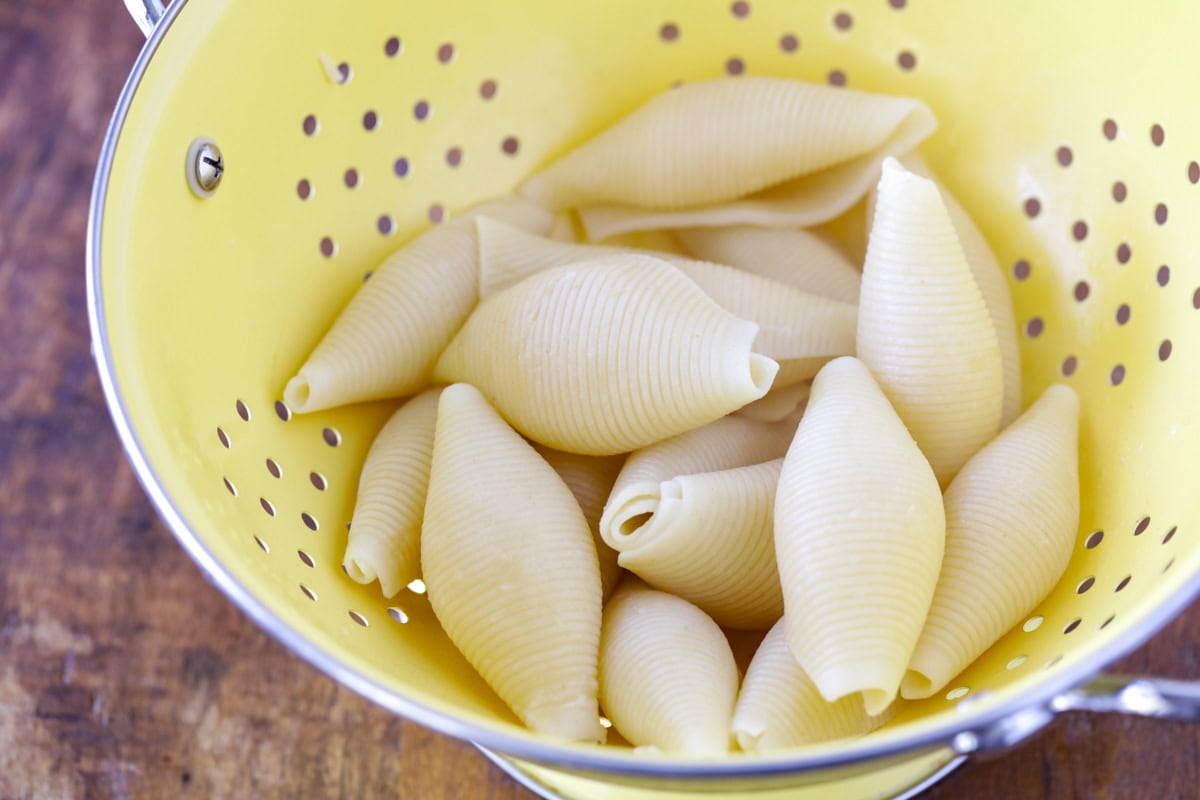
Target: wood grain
123,674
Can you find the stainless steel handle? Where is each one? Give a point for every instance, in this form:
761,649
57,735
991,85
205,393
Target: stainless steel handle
146,13
1121,694
1134,694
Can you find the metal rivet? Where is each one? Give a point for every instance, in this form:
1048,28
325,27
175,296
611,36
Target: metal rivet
205,167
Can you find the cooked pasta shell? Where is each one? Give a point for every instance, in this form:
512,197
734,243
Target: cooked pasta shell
792,153
608,356
779,705
511,570
859,531
710,540
992,285
797,329
384,543
802,259
658,242
777,404
728,443
590,479
923,328
387,339
1011,518
667,675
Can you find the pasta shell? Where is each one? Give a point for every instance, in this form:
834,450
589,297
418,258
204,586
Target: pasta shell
591,480
384,543
511,570
710,540
725,444
778,404
923,328
791,153
1011,518
667,676
859,532
608,356
387,339
799,258
992,285
800,330
658,242
779,705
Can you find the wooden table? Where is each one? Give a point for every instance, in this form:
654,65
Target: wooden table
122,672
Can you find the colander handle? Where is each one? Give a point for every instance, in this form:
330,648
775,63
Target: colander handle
1138,695
146,13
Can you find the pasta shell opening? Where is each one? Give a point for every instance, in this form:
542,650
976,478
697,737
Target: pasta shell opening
762,372
298,393
359,571
916,685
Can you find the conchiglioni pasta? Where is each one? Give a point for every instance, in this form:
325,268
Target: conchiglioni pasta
992,285
655,169
923,328
667,676
387,339
797,329
859,532
710,541
777,404
728,443
384,542
802,259
511,569
608,356
1011,519
779,705
590,479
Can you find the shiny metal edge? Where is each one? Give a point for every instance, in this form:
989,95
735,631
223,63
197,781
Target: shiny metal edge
529,782
542,752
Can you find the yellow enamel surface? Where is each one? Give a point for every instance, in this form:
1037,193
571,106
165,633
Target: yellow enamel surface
209,302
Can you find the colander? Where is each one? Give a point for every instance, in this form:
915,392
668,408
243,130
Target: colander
263,157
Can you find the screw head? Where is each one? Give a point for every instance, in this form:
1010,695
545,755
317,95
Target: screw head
205,167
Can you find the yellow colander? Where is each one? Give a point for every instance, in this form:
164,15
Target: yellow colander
265,156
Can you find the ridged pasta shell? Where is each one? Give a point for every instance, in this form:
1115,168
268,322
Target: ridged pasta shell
923,327
802,259
859,532
792,153
386,340
667,676
510,569
590,479
992,285
777,404
728,443
779,705
608,356
1011,518
798,329
385,539
710,540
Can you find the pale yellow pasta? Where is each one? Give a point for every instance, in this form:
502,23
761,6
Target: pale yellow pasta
667,676
778,404
767,151
859,532
1011,519
923,328
563,229
386,340
710,540
725,444
779,705
656,241
590,479
992,285
608,356
799,330
802,259
384,543
510,569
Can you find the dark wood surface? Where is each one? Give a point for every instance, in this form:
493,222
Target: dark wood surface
122,672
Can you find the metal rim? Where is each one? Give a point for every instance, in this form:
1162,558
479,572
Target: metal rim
601,761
